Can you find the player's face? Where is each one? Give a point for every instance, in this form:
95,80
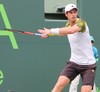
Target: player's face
72,15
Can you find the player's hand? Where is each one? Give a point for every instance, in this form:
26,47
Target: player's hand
45,32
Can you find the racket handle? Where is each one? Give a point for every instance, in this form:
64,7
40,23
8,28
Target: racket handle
37,34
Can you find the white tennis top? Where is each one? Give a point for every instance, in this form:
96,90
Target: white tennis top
80,43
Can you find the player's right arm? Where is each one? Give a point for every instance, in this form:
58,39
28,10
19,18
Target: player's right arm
77,27
59,31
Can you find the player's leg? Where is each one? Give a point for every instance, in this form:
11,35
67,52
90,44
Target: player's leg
61,83
68,74
88,76
86,88
74,84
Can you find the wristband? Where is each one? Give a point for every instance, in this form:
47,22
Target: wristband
55,31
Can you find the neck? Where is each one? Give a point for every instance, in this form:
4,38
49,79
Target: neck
73,22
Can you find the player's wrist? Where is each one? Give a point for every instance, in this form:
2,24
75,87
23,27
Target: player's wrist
54,31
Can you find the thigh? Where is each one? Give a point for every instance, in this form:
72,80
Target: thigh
88,77
69,71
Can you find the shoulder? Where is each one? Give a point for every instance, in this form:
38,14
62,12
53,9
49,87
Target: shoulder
79,20
81,24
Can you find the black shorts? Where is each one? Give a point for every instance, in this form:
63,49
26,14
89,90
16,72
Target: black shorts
87,72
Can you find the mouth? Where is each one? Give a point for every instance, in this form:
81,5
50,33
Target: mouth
73,17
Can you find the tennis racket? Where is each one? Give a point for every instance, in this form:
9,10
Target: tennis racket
23,32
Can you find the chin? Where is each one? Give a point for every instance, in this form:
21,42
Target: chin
74,19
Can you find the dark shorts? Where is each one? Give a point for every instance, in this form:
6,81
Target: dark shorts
87,72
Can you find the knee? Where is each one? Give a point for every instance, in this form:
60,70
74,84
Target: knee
86,88
62,82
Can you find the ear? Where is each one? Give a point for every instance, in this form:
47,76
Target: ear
66,14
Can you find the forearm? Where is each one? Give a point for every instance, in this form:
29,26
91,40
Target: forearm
59,31
64,30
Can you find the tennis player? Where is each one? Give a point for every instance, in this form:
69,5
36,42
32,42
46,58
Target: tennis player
82,60
75,82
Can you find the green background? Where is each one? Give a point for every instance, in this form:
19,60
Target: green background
35,66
